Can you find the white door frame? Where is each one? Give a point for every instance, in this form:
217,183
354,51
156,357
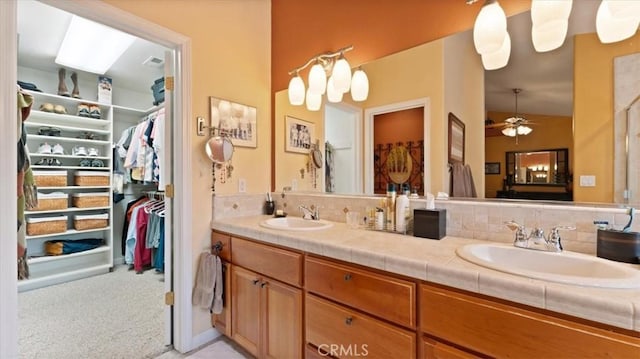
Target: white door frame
368,138
106,14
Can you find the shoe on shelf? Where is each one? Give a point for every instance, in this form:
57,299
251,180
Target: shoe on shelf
62,87
58,149
49,131
76,91
94,111
93,152
79,151
54,162
59,109
46,107
43,162
97,163
83,110
85,163
44,148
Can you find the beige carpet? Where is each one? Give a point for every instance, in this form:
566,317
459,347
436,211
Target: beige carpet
114,315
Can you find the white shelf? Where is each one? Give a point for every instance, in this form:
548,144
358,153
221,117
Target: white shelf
69,232
68,156
64,100
57,278
38,167
32,124
74,187
66,119
67,256
56,139
70,209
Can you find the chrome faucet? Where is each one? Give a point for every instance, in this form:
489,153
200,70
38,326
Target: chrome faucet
536,239
309,213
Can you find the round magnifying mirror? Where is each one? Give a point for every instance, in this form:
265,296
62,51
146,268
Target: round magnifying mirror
219,149
316,154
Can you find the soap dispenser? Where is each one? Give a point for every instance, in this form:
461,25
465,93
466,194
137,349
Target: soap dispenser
402,209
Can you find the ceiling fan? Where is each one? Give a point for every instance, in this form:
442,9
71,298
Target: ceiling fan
514,126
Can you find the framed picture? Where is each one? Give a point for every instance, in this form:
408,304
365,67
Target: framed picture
235,120
492,168
456,139
299,135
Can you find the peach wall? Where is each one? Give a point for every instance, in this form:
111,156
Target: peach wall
549,132
593,113
231,46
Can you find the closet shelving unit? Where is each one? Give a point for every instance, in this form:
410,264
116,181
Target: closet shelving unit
48,270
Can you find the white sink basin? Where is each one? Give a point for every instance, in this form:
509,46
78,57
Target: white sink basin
564,267
295,224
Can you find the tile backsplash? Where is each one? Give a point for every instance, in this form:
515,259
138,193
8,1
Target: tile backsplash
475,219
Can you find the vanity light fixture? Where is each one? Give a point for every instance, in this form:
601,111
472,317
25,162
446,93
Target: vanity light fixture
617,20
92,47
550,19
330,73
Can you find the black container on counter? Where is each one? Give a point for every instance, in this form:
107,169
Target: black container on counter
269,207
430,223
619,246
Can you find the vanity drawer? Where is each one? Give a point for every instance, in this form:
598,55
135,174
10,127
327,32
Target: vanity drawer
380,295
352,334
500,330
280,264
225,239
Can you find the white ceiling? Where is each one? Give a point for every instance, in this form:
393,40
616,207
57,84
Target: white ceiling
546,79
41,29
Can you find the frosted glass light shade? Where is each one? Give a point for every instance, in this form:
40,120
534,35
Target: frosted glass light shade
510,131
610,29
544,11
333,95
296,91
317,79
523,130
341,75
623,9
359,86
499,59
314,100
549,36
489,29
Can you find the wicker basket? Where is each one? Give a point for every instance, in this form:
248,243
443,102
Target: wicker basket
91,178
83,222
87,200
46,225
52,201
50,178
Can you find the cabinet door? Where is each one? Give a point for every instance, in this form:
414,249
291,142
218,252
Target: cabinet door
222,321
432,349
283,320
245,309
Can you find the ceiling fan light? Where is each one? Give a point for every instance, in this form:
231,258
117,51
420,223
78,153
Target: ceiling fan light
509,131
341,75
333,95
314,100
544,11
490,28
499,59
359,86
523,130
549,36
296,91
610,29
317,79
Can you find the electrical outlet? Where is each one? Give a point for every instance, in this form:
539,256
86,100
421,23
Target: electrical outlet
588,181
294,184
242,185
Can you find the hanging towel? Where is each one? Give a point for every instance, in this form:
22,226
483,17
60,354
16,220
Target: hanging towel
205,277
462,184
218,288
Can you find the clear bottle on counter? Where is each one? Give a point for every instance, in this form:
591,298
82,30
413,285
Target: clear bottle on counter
402,209
391,207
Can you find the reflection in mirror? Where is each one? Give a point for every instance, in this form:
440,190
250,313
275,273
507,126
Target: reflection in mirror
545,167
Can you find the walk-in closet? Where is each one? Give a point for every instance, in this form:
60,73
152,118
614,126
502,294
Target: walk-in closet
92,267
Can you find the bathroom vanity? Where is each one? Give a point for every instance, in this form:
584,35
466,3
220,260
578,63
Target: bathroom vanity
356,293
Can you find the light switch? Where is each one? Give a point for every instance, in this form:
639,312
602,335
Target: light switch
242,185
588,181
294,184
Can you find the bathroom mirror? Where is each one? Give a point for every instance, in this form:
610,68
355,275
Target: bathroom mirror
538,168
584,85
219,149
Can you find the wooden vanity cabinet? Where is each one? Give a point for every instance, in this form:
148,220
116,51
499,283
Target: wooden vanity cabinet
433,349
497,329
266,312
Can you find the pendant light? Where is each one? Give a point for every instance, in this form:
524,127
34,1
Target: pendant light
359,85
341,75
620,27
296,90
490,28
333,95
317,79
314,100
550,19
499,59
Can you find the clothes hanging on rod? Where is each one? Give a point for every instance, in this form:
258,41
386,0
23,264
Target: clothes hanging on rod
144,238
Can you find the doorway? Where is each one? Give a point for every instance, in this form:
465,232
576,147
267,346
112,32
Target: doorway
110,16
343,149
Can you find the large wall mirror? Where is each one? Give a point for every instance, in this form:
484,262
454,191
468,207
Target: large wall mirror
567,96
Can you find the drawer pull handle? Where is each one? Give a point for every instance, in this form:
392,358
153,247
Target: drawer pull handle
256,281
263,284
347,277
348,321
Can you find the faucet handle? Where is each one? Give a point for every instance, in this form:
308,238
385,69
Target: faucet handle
521,237
555,241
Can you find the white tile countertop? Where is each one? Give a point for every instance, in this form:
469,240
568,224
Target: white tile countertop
436,261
